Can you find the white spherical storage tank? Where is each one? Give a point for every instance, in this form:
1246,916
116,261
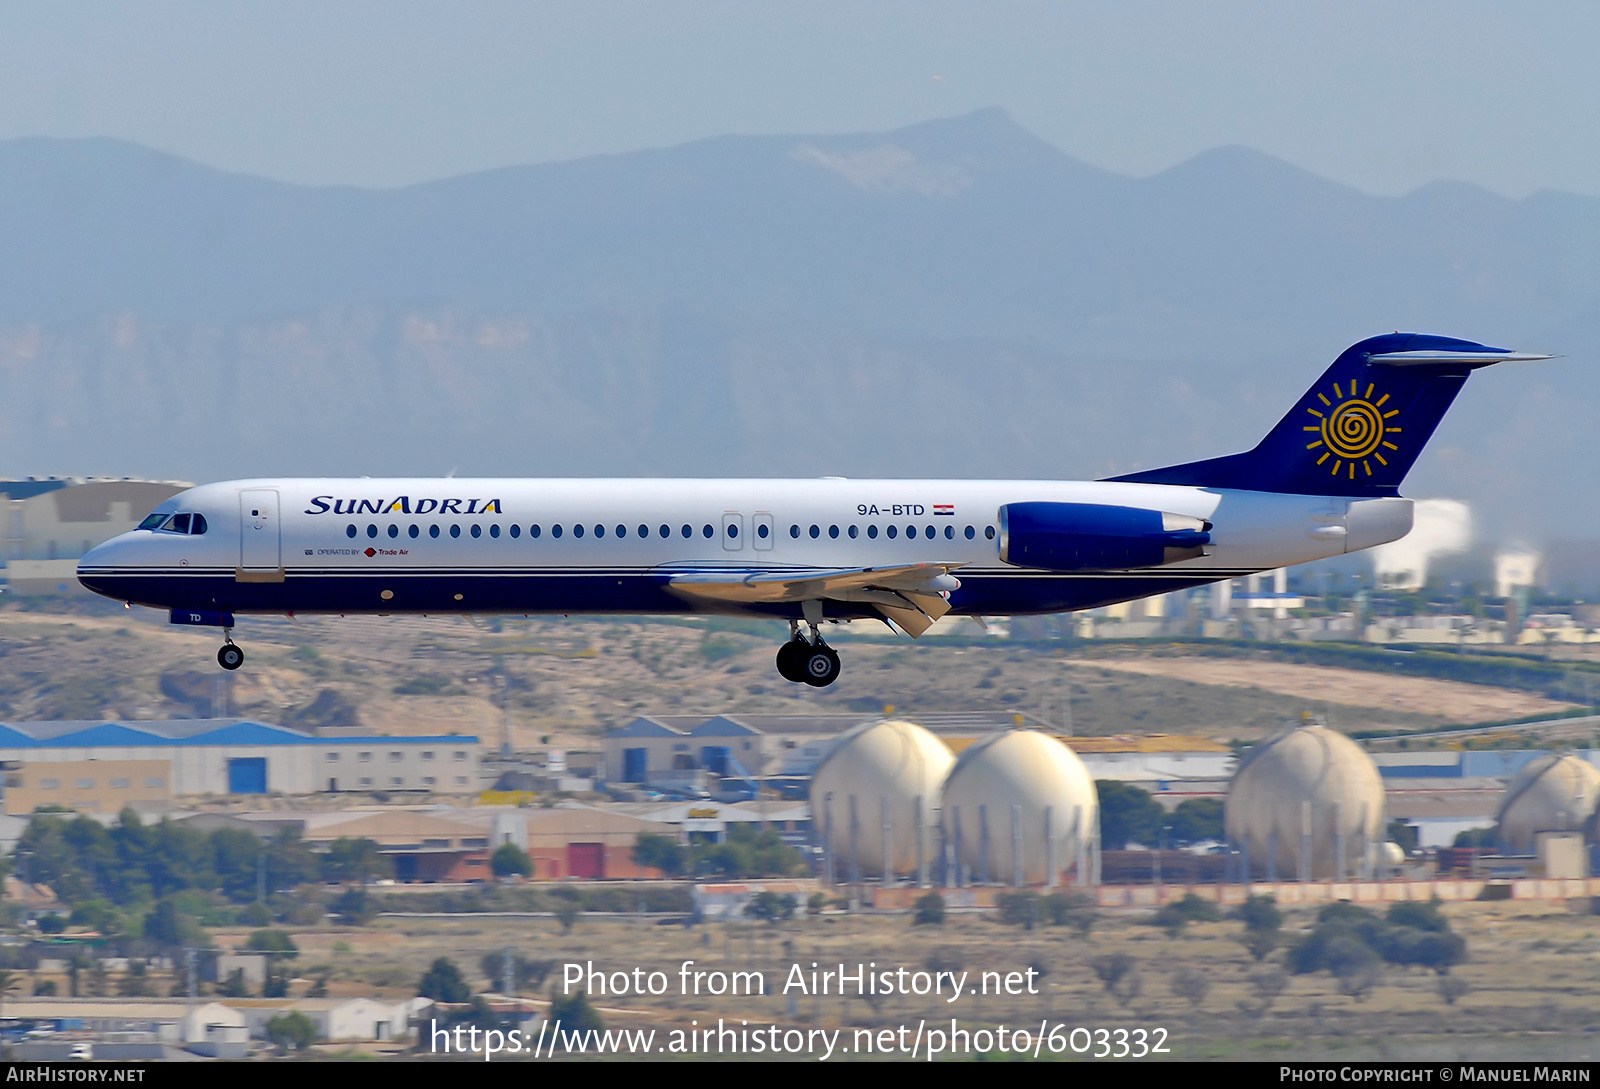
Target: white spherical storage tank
1556,792
1306,787
880,777
1018,803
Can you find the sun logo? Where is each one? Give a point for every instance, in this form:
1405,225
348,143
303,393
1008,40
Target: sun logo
1355,430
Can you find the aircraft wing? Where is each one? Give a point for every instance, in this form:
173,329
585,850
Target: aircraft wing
912,595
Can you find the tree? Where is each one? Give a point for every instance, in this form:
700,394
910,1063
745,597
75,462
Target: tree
136,982
1127,814
510,859
168,926
1198,820
1191,909
1019,908
1076,910
1118,974
292,1030
443,982
360,860
1451,988
750,852
1477,837
1404,834
527,974
1260,913
9,981
353,907
659,852
273,941
234,986
1268,984
770,906
575,1012
929,910
567,915
1192,984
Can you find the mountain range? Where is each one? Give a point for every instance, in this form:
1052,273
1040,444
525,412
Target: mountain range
955,298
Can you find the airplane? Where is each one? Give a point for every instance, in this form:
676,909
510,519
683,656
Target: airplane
1325,481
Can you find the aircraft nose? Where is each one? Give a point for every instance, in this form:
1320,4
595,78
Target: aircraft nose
98,563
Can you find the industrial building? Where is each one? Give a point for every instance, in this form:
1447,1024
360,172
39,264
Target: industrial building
100,766
49,523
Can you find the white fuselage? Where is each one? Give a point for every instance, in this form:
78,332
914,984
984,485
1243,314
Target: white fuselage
570,546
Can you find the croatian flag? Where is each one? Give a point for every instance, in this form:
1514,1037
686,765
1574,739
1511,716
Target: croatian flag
944,508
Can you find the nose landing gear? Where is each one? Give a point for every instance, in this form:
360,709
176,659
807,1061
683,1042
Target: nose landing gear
810,661
230,656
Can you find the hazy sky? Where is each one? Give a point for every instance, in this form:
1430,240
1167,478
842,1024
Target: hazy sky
1384,96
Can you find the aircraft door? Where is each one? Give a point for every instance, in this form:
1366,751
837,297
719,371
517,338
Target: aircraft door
260,536
762,534
732,531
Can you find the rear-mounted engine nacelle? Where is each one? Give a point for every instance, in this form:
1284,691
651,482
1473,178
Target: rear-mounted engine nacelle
1095,537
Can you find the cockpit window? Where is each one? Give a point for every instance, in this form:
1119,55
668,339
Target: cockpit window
153,521
186,523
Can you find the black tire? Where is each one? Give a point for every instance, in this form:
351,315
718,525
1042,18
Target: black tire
791,661
230,656
821,666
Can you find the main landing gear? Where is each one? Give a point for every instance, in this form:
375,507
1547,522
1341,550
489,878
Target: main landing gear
809,660
230,656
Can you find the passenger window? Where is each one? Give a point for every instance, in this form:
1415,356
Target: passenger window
599,531
394,530
350,530
412,531
911,532
577,530
891,531
930,532
372,530
644,531
815,532
833,531
433,531
494,530
794,531
733,530
762,531
455,531
555,530
666,531
708,531
622,531
533,531
969,533
516,531
988,531
949,533
198,525
872,531
854,533
477,530
687,532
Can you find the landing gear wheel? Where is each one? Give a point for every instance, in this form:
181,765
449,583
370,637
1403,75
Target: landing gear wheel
230,656
791,660
821,665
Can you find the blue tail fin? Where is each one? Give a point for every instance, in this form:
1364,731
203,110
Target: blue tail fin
1359,429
